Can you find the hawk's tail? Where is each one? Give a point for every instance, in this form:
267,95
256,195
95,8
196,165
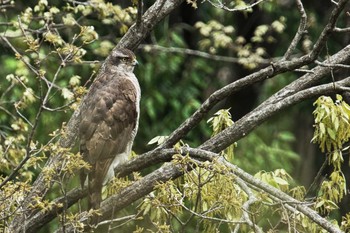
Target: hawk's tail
96,177
94,193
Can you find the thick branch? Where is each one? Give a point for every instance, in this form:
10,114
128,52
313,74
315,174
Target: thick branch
268,72
169,171
41,218
249,122
162,155
276,193
134,192
133,37
152,16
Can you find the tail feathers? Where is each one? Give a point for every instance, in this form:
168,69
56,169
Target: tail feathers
94,198
95,194
96,176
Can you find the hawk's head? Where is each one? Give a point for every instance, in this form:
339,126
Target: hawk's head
123,58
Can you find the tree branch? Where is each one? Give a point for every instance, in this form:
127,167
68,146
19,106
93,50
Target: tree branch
251,200
197,53
268,72
299,33
276,193
152,16
133,192
221,5
250,121
285,98
163,155
169,171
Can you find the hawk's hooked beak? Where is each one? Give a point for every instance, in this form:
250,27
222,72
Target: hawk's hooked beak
135,62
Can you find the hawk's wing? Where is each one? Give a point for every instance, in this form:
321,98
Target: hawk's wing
108,118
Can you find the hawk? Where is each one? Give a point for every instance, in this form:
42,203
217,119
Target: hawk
108,121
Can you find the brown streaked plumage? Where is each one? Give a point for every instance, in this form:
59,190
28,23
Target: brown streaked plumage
109,121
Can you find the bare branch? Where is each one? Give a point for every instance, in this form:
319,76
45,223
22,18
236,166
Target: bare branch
268,72
332,65
246,124
170,171
197,53
139,13
301,31
219,4
336,29
328,29
151,17
19,56
251,200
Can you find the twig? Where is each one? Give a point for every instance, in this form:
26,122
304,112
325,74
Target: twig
304,71
80,3
139,13
150,47
28,150
210,218
328,29
220,5
251,200
333,65
273,192
336,29
19,56
334,2
133,216
317,179
300,32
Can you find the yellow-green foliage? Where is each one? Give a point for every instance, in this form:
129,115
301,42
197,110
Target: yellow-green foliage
331,132
217,36
13,193
220,121
208,192
345,223
331,123
279,178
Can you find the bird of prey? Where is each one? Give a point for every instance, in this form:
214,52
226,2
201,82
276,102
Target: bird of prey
108,121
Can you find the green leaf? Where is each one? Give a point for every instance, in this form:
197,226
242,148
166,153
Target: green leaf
319,204
322,128
286,136
158,139
280,181
331,133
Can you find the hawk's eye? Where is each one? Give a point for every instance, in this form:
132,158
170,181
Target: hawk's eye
124,59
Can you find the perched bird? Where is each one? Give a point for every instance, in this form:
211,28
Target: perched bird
108,121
